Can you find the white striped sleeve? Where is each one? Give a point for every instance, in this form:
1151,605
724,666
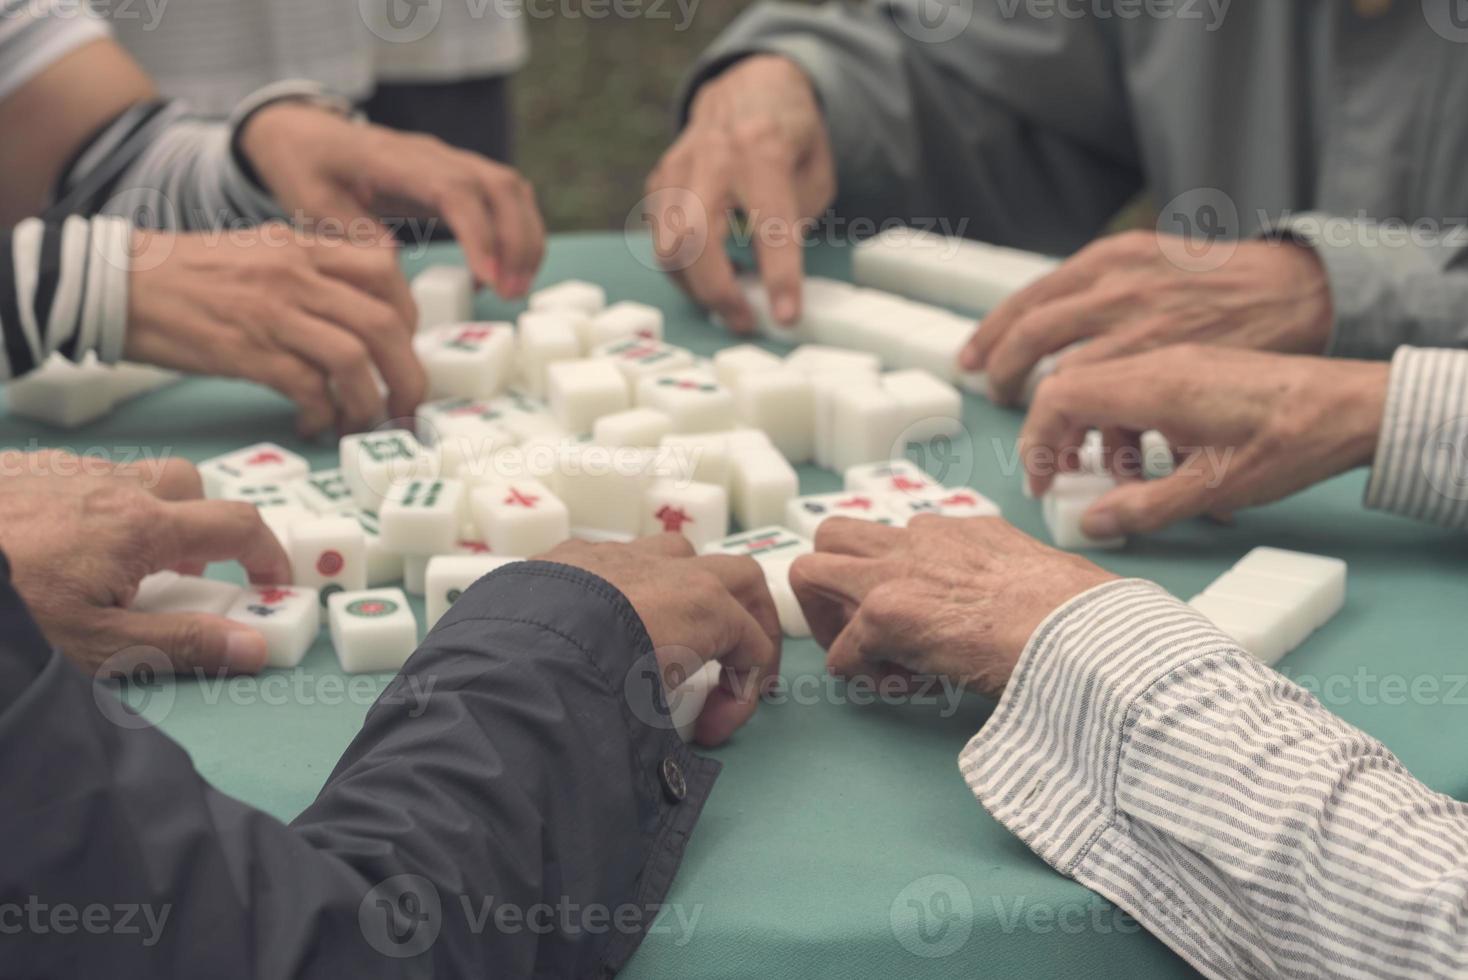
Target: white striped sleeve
1421,466
161,167
1141,752
63,289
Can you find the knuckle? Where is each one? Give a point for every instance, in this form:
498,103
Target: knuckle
350,358
753,131
886,608
187,637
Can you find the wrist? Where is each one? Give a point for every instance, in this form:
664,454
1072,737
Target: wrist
1358,395
1315,310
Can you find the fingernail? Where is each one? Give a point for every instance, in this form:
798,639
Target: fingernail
1101,524
784,308
244,652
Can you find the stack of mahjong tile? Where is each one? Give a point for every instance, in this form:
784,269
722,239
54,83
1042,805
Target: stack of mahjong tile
68,395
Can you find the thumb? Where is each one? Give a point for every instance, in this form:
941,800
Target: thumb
1148,505
193,641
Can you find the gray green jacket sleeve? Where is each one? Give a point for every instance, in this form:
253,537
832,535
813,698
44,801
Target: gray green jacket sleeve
1391,283
980,129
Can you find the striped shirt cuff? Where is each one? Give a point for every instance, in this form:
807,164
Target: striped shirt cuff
1048,764
63,289
1421,465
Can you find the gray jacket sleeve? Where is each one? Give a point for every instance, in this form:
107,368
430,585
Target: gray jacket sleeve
998,123
502,813
1391,284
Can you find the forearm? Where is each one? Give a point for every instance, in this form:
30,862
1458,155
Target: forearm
1140,751
501,772
1389,285
63,289
924,131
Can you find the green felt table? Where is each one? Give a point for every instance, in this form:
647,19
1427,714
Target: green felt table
840,840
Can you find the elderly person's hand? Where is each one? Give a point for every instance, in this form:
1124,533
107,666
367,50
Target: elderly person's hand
327,167
695,609
1139,290
1247,428
319,320
756,142
950,597
80,535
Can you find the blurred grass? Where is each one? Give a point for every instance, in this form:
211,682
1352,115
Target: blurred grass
595,105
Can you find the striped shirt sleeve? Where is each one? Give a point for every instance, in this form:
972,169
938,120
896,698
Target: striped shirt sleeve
63,289
1141,752
161,166
1421,465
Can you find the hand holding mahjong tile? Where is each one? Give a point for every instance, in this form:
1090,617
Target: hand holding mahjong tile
948,597
82,540
696,610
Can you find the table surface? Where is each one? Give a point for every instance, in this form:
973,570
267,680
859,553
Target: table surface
840,840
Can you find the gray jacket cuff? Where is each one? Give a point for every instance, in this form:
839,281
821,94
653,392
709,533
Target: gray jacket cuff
1389,284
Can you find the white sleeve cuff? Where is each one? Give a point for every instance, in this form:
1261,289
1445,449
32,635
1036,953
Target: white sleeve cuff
1421,465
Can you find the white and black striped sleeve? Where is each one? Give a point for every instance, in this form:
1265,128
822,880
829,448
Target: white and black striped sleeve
63,289
1141,752
1421,466
160,166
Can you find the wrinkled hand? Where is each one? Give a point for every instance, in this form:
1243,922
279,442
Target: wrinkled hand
756,141
81,534
309,317
717,606
950,597
1249,428
1139,290
328,167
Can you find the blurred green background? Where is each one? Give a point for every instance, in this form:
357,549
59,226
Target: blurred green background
595,105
